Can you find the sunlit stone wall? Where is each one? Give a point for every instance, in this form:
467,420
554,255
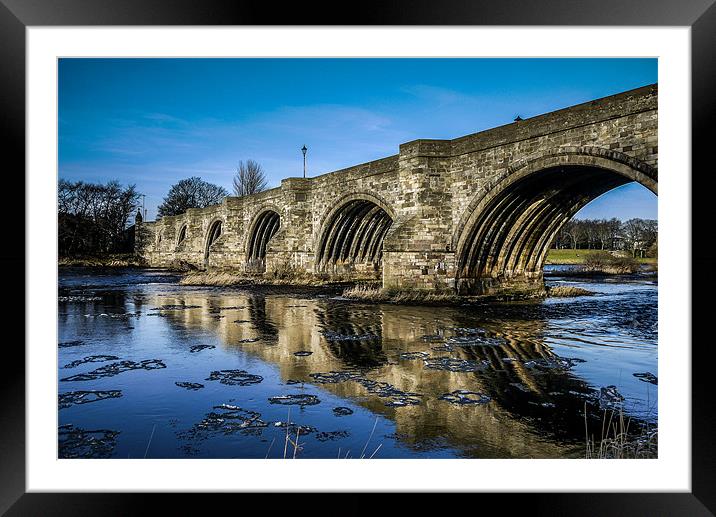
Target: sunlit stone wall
432,191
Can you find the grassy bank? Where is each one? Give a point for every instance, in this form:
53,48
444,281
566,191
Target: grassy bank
376,294
287,277
111,260
230,278
578,257
566,291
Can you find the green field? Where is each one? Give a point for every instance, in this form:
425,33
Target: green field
577,257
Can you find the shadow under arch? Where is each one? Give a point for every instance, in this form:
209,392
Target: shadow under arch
352,232
182,235
263,227
505,233
215,228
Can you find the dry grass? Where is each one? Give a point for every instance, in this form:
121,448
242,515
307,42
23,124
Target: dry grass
215,278
605,262
287,272
297,446
565,291
227,278
617,443
375,293
279,274
110,260
366,292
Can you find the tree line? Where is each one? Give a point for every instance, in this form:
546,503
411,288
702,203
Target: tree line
194,192
637,236
93,217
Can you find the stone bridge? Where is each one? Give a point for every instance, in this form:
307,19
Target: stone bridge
475,215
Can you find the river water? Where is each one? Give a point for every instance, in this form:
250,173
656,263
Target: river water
149,368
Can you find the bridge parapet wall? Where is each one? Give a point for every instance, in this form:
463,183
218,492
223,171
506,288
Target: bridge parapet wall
574,119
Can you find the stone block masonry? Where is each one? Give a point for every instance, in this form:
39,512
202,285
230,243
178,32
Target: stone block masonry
475,215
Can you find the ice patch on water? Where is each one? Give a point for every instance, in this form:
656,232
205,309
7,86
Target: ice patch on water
465,397
71,398
235,377
116,368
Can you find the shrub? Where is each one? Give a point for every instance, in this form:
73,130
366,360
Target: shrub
605,262
623,265
565,291
598,260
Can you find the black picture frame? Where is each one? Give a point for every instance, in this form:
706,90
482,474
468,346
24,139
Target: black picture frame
700,15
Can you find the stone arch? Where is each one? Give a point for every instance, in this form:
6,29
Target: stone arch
505,233
352,232
336,205
182,235
264,225
212,235
635,169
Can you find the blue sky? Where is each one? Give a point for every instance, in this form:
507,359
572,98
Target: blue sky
152,122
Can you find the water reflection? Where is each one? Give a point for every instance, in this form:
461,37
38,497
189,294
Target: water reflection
517,355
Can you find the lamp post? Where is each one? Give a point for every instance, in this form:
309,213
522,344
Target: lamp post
303,150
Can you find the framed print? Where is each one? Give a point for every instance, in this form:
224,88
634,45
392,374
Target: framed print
426,252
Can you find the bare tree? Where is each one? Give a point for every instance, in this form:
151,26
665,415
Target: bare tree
633,231
606,232
651,232
92,217
590,227
249,178
574,231
614,226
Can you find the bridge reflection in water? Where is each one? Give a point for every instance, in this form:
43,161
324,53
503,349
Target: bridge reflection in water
537,406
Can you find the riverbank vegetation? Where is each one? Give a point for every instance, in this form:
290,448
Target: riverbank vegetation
282,273
227,278
618,442
92,218
374,293
377,294
109,260
605,262
567,291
